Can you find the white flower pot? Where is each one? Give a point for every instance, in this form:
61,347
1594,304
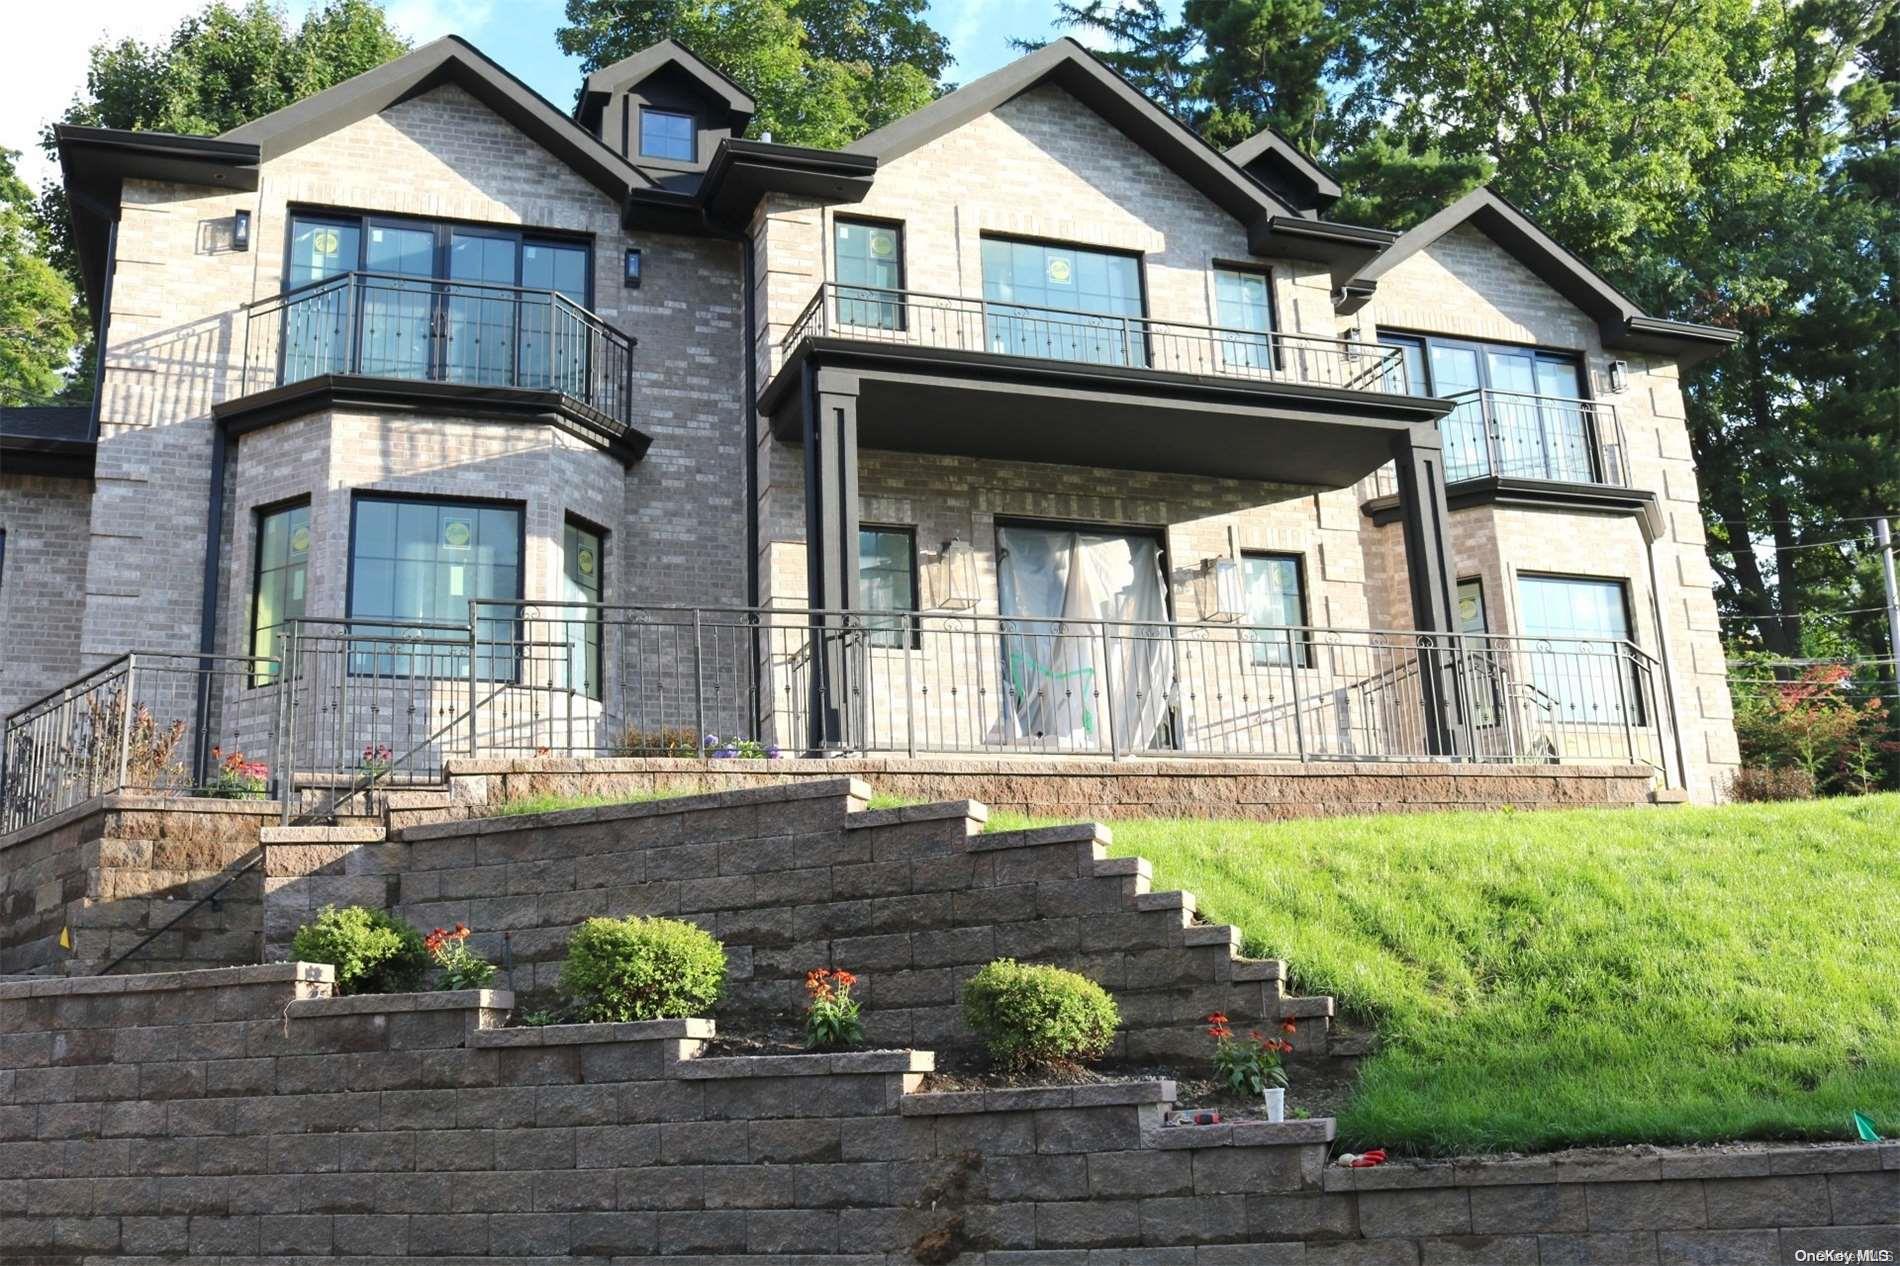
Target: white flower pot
1276,1103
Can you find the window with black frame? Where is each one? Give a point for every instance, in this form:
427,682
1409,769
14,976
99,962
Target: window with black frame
869,261
1519,412
582,564
887,582
1062,302
1243,303
415,299
279,582
1275,591
422,562
1579,663
667,134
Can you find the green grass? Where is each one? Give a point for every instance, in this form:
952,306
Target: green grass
553,804
1549,979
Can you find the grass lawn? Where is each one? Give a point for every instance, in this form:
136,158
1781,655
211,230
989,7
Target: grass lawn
1543,979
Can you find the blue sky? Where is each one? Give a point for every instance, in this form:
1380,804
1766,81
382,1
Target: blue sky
43,60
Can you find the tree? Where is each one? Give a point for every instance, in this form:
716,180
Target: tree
824,72
37,316
220,68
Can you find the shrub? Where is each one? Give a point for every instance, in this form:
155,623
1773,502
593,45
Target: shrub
667,741
642,969
1034,1016
462,967
1758,785
832,1018
371,951
1823,723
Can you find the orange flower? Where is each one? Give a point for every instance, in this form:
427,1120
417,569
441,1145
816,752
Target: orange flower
1288,1024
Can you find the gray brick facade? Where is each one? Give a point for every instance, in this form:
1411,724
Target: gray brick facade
124,566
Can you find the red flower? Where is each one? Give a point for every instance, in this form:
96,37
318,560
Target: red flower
1288,1024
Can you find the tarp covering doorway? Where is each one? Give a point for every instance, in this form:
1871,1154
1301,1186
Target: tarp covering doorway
1069,682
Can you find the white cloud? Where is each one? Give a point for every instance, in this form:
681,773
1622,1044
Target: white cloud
425,20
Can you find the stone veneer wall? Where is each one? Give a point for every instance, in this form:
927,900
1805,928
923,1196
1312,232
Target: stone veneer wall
1070,787
249,1114
115,869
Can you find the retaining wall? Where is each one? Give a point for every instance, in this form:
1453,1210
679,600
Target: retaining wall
114,869
1070,787
247,1115
800,876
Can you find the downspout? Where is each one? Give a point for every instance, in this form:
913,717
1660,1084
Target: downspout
1662,653
750,347
103,327
208,611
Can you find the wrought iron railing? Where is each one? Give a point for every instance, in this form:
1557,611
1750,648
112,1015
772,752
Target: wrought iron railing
146,722
363,706
956,323
1522,436
385,325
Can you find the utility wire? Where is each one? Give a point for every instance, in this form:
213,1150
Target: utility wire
1803,615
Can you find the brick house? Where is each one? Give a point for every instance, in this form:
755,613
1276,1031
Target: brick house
1028,424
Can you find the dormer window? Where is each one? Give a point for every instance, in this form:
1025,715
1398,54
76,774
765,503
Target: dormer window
666,134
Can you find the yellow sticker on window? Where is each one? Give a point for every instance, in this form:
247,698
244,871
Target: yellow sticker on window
456,533
882,244
585,561
300,540
325,241
1060,270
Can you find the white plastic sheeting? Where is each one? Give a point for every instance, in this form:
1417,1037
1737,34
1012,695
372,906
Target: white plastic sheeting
1066,683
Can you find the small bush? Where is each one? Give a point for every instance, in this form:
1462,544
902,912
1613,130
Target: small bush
1033,1016
642,969
666,741
1758,785
371,951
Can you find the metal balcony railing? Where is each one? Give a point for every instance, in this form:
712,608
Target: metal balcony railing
954,323
384,325
1516,435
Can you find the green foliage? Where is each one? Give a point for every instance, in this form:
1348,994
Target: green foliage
642,969
1820,723
824,72
1542,980
39,322
372,951
1034,1016
832,1016
461,967
1247,1066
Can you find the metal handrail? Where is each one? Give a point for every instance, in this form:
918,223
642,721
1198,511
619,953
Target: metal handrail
569,350
1519,440
1145,342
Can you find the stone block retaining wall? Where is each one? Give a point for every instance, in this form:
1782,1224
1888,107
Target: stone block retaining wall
249,1115
115,869
801,876
1070,787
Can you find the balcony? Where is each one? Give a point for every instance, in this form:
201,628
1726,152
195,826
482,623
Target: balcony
908,318
1514,435
499,349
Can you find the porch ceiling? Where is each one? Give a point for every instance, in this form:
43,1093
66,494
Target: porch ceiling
973,404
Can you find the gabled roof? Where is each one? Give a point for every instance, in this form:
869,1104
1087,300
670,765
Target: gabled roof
1623,322
628,71
450,59
1275,226
1270,156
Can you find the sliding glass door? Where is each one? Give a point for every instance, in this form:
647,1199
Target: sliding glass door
1060,302
1518,412
398,302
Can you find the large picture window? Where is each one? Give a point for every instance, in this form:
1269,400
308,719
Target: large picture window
1276,598
870,256
1520,410
425,561
887,581
280,586
442,302
1580,664
1077,304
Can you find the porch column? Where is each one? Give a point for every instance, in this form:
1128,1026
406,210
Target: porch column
1419,455
831,544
